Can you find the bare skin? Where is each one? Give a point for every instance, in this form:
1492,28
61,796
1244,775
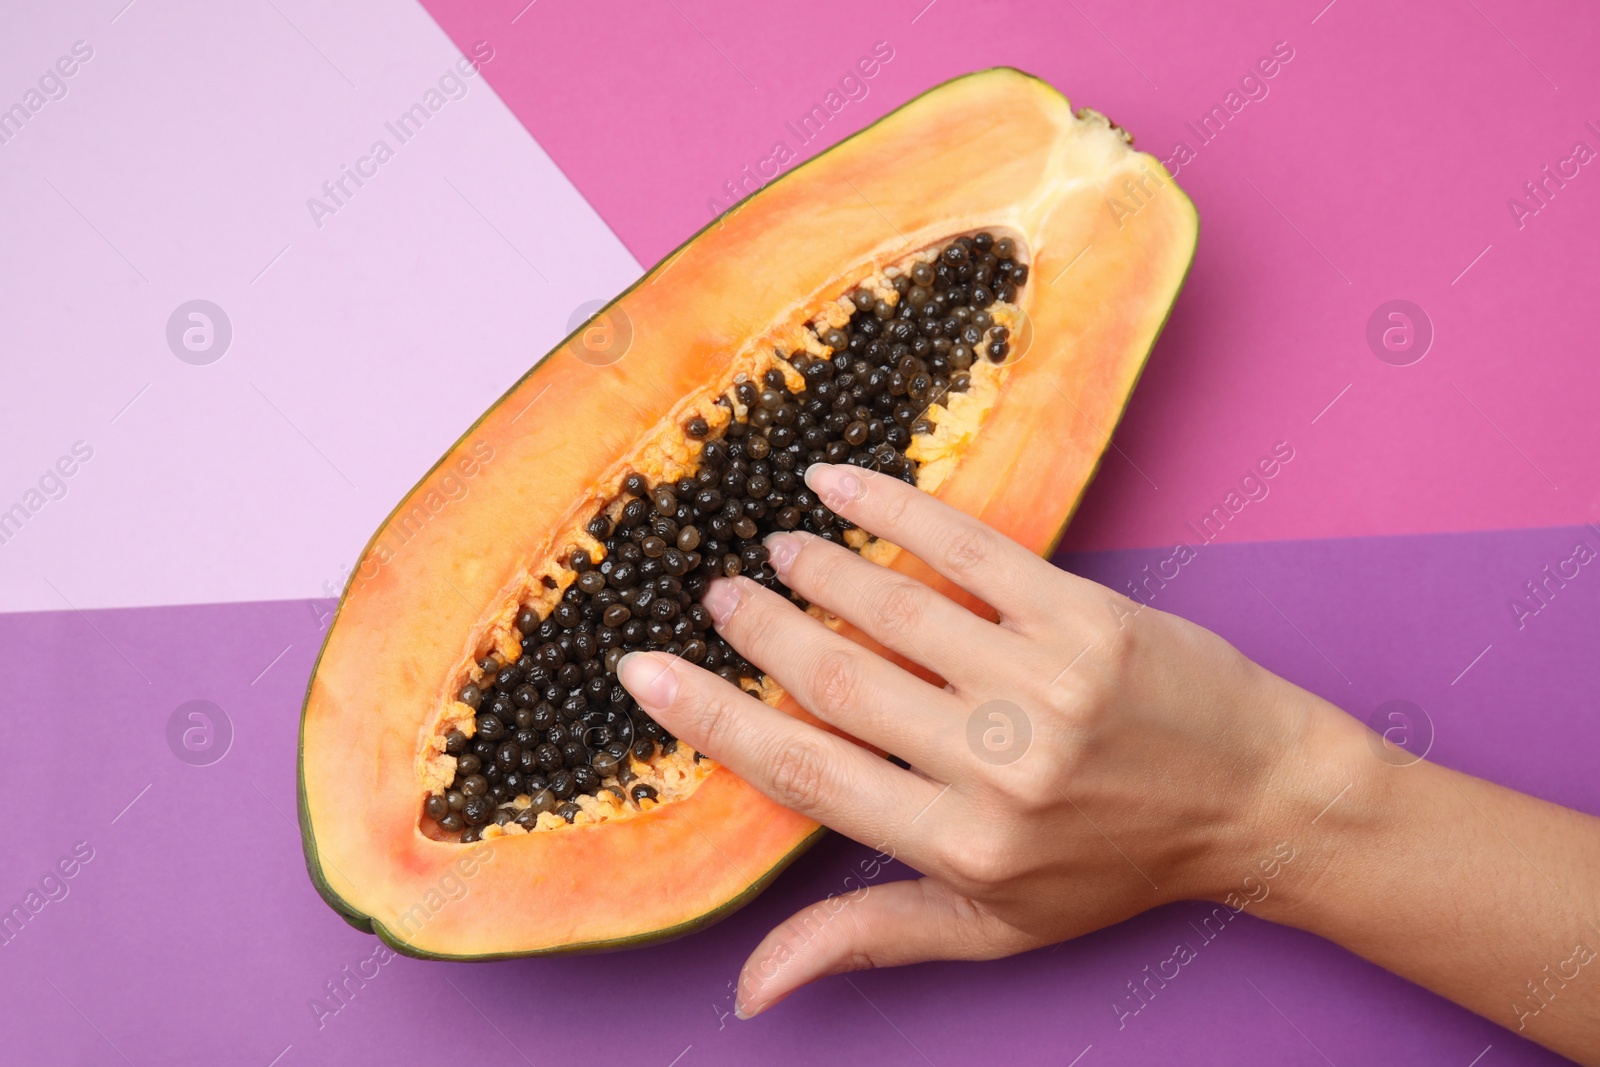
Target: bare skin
1121,758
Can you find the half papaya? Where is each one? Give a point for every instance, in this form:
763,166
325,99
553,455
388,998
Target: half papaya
962,295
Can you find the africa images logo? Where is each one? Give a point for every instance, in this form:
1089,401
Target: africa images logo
337,192
51,86
52,485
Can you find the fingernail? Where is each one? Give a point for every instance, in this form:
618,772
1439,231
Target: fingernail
782,548
836,484
720,599
746,1013
650,679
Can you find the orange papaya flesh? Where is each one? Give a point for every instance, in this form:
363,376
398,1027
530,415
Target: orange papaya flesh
488,535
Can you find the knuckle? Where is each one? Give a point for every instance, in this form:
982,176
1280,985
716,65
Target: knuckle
1032,784
835,680
1097,679
983,863
799,776
900,606
1076,712
718,721
1062,700
1120,644
968,549
819,569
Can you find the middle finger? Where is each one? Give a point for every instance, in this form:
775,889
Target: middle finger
899,612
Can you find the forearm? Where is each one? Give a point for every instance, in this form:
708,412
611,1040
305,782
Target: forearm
1484,895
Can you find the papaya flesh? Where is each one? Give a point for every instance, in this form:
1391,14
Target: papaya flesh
433,606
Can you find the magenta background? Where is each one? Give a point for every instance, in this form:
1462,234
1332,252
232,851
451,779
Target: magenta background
1392,140
1391,143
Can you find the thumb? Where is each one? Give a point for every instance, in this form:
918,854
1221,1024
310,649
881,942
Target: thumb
880,926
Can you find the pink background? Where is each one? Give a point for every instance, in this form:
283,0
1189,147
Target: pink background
1391,142
178,168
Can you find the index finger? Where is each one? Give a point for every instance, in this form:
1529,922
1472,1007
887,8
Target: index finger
973,555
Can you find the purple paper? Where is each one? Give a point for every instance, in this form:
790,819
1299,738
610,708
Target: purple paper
193,935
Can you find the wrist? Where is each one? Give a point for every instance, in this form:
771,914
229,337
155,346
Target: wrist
1309,804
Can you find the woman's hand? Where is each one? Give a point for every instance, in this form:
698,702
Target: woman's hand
1087,759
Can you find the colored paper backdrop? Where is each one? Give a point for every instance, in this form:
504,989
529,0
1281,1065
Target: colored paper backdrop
1432,161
